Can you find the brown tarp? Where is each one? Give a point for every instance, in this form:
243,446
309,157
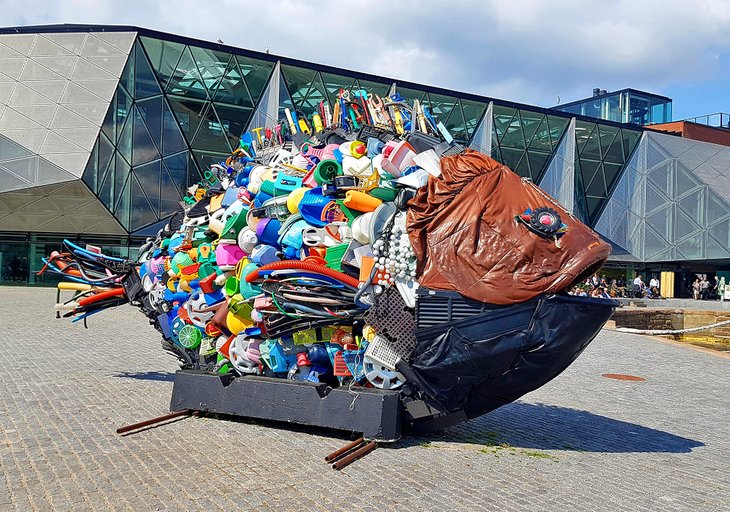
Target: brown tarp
465,237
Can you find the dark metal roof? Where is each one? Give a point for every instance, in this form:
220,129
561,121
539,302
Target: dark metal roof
32,29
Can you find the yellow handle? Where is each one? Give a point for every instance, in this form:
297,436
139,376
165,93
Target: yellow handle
317,120
80,287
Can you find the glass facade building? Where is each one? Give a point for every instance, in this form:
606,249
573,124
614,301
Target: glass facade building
103,128
625,106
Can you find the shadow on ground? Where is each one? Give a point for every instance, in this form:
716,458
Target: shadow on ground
549,427
156,376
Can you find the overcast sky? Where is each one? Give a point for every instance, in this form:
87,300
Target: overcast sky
529,51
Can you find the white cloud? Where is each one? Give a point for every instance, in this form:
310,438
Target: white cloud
522,50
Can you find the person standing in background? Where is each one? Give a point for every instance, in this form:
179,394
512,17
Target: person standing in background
704,288
654,287
638,287
696,289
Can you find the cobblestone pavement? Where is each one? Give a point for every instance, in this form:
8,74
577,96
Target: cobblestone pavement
582,442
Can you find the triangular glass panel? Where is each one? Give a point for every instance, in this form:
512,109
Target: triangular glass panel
212,65
541,140
189,114
169,194
583,131
607,135
593,207
211,136
685,180
523,167
514,137
530,123
592,147
186,80
164,56
614,153
692,248
121,173
654,198
141,212
151,111
661,177
502,120
457,125
630,138
150,230
693,205
145,83
123,206
715,249
717,208
611,172
144,149
149,177
232,88
684,225
298,81
557,127
442,105
234,121
172,139
106,188
538,161
284,98
109,125
123,104
91,171
473,112
207,158
721,232
596,186
588,169
177,167
106,151
661,221
317,93
256,74
127,78
194,174
512,157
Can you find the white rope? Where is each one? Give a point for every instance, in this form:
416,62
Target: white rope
671,331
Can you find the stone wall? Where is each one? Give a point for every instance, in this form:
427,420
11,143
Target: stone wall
660,319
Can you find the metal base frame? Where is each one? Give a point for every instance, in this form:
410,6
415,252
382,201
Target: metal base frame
375,413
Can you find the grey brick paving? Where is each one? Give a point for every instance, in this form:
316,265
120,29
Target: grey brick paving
582,442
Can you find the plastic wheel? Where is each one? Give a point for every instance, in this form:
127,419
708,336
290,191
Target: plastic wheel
545,221
189,337
381,376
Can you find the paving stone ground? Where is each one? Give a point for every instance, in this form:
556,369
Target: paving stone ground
582,442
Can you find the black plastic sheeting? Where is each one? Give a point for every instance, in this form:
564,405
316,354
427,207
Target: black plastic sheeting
493,358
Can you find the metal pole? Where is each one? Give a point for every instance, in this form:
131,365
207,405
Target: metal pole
142,424
360,452
337,454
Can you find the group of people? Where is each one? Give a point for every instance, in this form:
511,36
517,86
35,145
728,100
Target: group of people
640,290
703,289
598,287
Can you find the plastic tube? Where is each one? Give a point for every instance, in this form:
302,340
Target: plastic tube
101,296
304,265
